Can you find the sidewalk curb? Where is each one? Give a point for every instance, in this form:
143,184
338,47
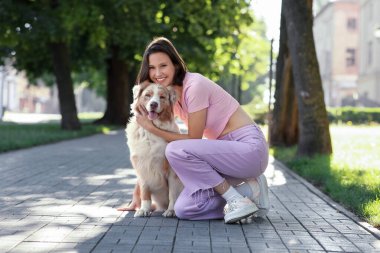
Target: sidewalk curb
371,229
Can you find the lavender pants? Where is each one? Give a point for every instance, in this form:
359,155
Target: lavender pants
202,164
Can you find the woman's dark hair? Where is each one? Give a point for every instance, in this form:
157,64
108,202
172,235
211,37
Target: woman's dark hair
162,45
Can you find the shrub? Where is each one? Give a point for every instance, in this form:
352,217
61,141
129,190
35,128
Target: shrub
354,115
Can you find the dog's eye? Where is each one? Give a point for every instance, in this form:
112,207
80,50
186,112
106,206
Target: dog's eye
162,97
147,95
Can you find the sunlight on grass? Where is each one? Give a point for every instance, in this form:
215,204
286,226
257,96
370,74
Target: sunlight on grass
354,147
371,210
351,175
90,115
107,130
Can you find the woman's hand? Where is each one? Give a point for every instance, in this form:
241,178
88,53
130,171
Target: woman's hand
142,118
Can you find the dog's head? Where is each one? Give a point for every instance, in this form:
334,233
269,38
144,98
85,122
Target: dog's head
157,100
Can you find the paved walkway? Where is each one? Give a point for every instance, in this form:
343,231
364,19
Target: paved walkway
62,198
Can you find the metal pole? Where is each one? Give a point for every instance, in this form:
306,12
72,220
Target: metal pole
2,91
270,76
269,115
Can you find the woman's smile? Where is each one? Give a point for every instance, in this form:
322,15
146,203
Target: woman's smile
161,69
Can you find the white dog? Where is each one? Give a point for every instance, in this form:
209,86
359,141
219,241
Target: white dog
156,179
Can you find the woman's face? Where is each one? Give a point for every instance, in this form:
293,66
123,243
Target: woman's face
161,69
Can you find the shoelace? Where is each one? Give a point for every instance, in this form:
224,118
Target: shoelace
231,206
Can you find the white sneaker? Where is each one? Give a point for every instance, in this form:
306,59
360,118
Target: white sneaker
238,209
262,199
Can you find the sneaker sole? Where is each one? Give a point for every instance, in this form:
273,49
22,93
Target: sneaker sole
244,214
263,198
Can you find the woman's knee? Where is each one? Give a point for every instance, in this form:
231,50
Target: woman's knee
184,206
180,211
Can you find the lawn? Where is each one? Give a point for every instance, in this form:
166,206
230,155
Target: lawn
16,136
351,175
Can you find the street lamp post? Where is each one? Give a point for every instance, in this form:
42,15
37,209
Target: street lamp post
269,114
2,79
270,75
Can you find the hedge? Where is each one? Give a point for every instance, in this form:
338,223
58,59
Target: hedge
354,115
350,115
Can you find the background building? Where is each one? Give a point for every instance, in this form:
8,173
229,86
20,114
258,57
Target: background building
336,35
369,71
18,95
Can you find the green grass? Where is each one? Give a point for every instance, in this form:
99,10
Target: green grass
351,175
17,136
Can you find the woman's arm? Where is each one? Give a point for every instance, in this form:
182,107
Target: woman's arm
196,126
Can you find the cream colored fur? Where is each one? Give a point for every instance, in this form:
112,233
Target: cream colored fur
147,151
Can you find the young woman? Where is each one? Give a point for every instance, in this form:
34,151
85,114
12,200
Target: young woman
228,166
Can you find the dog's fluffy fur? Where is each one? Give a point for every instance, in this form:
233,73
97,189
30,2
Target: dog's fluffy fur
155,177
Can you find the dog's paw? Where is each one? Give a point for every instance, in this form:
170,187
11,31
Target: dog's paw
142,213
169,213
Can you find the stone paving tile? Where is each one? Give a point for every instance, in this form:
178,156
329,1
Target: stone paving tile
6,245
191,249
34,247
113,248
237,249
87,233
62,198
301,242
267,244
264,234
73,247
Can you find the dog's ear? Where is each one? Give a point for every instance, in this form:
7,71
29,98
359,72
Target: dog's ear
139,88
136,91
172,95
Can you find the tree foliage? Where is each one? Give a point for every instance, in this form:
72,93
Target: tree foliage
37,39
106,39
243,66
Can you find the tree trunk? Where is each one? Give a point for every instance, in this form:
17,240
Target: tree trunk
283,124
118,90
314,137
66,96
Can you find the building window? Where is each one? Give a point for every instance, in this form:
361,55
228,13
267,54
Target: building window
369,58
351,23
350,57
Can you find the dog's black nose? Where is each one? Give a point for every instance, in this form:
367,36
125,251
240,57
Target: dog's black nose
153,105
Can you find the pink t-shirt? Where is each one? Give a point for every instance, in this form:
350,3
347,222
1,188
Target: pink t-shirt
199,93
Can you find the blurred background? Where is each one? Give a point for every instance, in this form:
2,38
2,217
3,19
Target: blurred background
94,48
229,42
